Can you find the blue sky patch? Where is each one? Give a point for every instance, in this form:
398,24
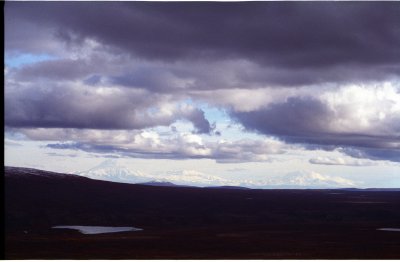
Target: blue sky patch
15,61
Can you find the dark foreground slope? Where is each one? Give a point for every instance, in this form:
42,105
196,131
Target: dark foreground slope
194,223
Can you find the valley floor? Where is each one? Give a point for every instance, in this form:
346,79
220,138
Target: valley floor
324,241
196,223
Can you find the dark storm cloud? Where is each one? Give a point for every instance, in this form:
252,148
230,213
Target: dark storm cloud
373,153
309,121
103,149
154,78
82,146
296,117
288,35
182,147
124,65
68,107
200,122
55,69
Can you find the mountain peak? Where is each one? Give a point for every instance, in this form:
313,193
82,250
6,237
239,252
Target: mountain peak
314,179
107,163
111,170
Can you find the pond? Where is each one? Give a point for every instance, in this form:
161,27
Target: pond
89,230
389,229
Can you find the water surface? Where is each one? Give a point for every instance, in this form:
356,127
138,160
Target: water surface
89,230
389,229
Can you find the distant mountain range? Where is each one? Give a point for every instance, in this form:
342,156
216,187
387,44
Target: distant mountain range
111,170
311,180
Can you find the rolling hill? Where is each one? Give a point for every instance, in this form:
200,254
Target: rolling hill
193,223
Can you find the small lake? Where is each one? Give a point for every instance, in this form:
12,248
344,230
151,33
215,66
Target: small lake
90,230
389,229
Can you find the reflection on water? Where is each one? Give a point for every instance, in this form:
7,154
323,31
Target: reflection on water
365,202
389,229
88,230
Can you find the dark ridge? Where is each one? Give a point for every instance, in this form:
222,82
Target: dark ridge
31,173
163,184
194,223
229,187
369,189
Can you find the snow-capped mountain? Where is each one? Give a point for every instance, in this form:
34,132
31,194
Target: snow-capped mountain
310,179
110,170
195,178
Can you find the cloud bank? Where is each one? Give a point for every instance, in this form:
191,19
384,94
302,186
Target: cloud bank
321,75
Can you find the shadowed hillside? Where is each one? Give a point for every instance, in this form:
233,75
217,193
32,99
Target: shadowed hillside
184,222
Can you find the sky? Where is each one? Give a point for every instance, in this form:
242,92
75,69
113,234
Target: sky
244,91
